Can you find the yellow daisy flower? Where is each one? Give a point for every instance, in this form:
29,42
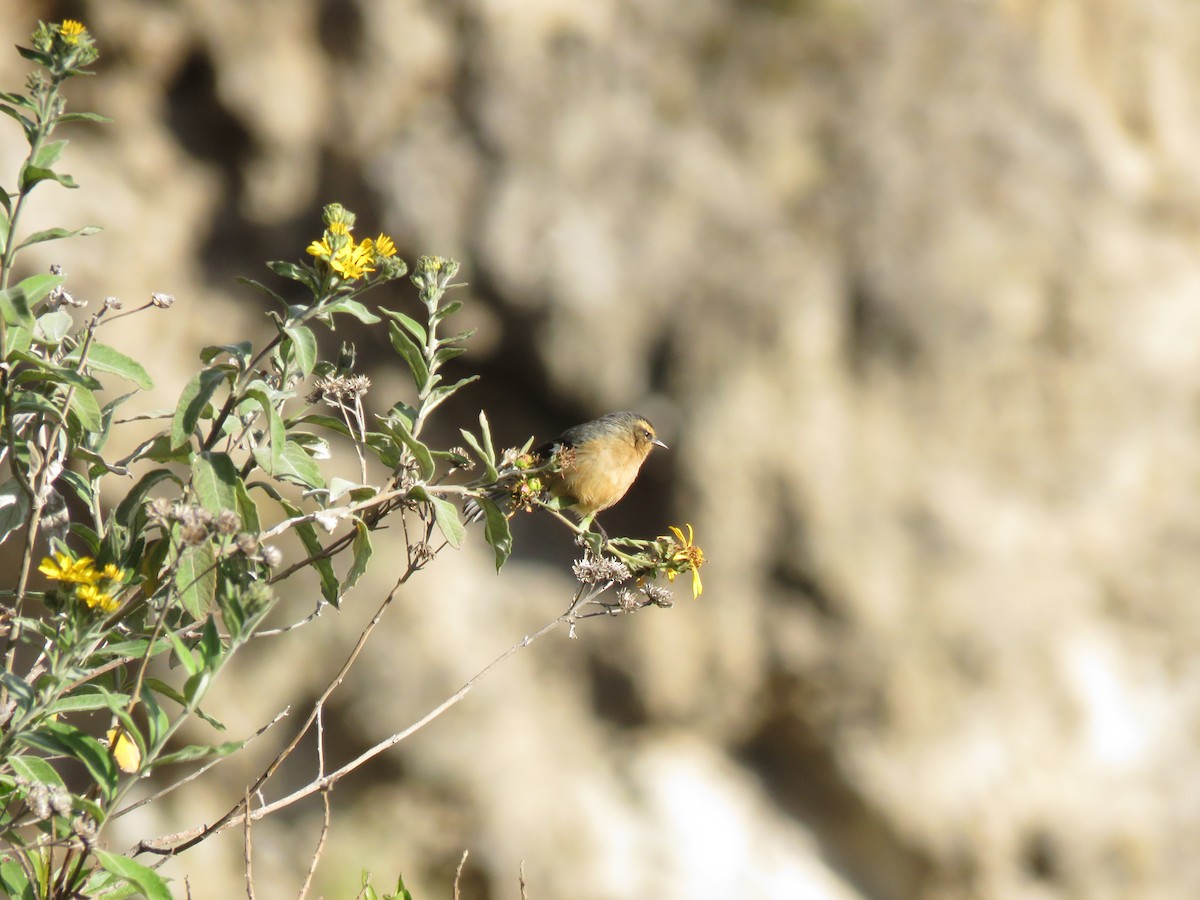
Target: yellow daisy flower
71,31
97,599
63,568
384,246
687,552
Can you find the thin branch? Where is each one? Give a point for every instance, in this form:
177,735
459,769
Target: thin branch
192,777
322,605
458,875
312,869
232,817
521,877
249,851
171,844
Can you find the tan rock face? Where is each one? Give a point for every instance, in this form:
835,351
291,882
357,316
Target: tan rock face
913,293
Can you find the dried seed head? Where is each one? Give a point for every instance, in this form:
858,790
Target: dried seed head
158,511
60,801
657,595
595,570
84,829
228,522
162,301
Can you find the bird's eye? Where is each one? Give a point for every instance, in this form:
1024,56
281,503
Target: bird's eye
647,435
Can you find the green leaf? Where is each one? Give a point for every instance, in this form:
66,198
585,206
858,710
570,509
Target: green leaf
129,511
304,347
67,740
215,478
49,153
448,310
442,393
445,514
398,427
43,370
330,422
496,531
18,338
26,123
34,768
52,327
247,508
158,723
83,702
33,175
276,434
354,308
410,353
293,272
83,117
103,358
55,234
483,448
210,647
19,690
14,882
258,285
17,301
193,402
195,752
296,466
86,409
384,446
445,354
415,328
14,508
312,545
196,579
146,880
361,547
185,657
239,353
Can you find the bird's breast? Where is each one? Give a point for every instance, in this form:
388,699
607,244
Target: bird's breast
600,475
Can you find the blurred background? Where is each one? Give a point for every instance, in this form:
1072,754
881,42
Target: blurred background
911,288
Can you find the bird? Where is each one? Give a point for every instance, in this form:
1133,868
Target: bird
591,466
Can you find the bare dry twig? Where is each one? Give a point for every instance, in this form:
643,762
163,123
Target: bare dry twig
174,843
458,875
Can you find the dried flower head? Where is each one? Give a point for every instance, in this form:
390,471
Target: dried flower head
228,522
598,570
339,389
162,301
158,511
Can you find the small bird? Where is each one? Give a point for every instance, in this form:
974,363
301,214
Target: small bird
596,463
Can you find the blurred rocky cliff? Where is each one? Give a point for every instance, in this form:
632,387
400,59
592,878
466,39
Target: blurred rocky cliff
911,288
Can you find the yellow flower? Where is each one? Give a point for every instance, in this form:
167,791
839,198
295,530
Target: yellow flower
71,31
384,246
63,568
124,750
112,573
353,261
687,552
320,249
338,227
97,599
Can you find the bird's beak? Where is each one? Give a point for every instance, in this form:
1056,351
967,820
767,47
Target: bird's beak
660,443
